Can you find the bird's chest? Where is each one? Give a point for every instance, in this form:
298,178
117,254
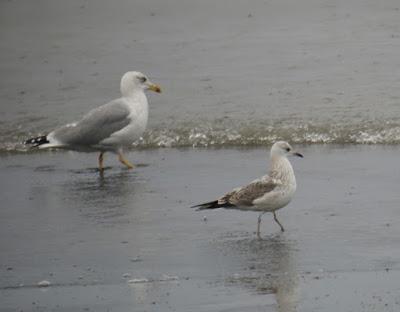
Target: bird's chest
276,199
285,195
138,122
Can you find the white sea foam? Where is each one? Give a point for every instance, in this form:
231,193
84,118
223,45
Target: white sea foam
210,134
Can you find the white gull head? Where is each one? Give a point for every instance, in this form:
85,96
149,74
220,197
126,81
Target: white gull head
283,149
134,81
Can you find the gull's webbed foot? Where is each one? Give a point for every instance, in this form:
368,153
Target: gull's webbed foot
124,161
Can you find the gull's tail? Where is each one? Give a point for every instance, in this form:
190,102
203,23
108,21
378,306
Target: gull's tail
37,141
211,205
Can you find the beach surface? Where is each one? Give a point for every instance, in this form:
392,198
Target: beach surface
233,73
236,76
130,242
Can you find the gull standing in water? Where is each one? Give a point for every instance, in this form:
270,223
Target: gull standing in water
267,194
110,127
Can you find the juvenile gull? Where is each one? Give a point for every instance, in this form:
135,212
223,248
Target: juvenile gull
267,194
110,127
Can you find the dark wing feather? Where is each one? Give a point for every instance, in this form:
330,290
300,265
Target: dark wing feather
243,196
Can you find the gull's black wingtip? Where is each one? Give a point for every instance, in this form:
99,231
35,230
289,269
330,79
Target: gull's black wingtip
199,207
36,141
195,206
209,205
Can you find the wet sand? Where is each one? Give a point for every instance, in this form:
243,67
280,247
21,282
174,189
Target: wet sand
130,242
311,70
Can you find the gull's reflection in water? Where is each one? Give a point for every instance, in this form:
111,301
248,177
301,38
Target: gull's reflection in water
103,199
267,266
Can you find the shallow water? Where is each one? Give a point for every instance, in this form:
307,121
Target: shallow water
130,242
233,72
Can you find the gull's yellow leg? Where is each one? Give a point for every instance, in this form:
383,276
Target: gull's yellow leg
124,161
101,167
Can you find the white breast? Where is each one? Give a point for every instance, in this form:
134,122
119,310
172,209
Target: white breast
275,199
139,112
283,193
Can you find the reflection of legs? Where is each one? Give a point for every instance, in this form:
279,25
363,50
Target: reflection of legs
276,220
101,168
258,224
122,159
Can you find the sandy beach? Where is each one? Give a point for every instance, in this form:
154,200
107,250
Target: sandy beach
130,242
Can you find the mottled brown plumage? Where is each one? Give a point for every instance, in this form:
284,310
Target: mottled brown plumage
246,195
267,194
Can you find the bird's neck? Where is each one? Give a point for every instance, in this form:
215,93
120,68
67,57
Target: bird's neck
137,97
281,169
131,91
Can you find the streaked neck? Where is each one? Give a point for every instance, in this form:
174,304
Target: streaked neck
282,169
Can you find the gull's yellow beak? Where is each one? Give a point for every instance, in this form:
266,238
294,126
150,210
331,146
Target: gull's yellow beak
155,88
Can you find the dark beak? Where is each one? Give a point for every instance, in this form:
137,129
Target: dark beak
298,154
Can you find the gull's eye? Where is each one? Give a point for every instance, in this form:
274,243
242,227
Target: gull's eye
142,79
287,149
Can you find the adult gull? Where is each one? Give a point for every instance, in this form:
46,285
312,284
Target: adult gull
266,194
108,128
